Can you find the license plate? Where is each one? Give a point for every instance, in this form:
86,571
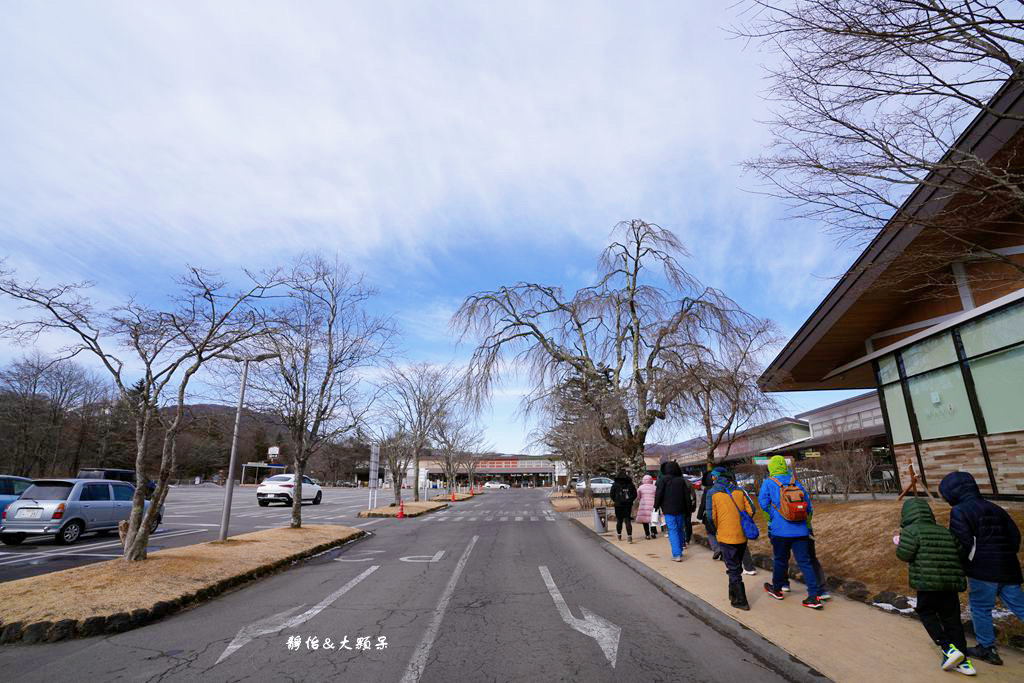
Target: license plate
29,514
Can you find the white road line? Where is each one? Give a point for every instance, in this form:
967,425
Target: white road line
372,521
283,620
519,519
595,626
23,557
504,519
534,519
419,658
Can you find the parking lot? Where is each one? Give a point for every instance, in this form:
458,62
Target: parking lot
191,515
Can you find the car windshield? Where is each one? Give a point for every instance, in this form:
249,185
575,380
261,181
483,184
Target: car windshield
91,474
48,490
279,477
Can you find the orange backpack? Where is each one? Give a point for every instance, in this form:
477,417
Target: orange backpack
792,501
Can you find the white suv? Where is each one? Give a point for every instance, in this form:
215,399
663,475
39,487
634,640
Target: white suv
281,488
495,485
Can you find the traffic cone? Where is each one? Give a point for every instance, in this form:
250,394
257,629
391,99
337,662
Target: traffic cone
401,509
453,496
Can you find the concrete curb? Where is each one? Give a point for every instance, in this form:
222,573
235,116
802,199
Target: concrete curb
767,653
49,632
389,515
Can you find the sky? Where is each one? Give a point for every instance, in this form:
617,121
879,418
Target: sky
439,148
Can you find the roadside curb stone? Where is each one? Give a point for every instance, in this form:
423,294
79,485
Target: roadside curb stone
36,633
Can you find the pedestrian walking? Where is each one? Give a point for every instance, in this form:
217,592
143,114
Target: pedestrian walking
989,542
936,574
623,495
673,499
819,573
728,505
706,482
645,505
787,505
662,475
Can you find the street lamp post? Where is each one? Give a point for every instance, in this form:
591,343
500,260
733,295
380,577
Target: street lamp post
225,517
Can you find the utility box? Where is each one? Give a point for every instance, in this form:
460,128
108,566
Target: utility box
601,519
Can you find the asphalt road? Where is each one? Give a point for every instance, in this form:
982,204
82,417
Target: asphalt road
497,589
191,515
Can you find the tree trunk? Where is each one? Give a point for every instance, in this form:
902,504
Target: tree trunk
300,469
416,476
397,483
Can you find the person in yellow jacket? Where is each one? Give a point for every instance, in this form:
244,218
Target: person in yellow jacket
726,502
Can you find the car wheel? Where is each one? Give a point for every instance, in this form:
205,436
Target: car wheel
12,539
319,497
263,503
155,525
287,502
71,532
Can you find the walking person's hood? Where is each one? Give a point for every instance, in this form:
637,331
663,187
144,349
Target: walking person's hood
672,469
956,487
916,510
777,466
623,479
648,479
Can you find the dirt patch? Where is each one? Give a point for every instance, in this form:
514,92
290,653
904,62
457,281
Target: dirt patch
412,509
565,503
170,578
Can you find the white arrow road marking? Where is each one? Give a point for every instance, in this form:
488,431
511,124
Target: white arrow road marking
419,657
424,558
283,620
600,629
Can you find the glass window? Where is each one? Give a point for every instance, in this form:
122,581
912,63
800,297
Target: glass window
20,485
6,486
994,331
95,492
929,354
941,404
899,423
887,370
123,492
999,381
48,490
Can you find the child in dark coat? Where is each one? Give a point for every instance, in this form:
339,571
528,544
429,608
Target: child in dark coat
935,571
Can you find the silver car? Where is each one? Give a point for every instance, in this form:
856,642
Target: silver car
68,508
601,486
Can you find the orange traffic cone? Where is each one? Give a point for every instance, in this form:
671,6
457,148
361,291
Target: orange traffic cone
401,509
453,496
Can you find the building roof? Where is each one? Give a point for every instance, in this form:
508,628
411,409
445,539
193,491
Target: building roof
853,311
873,435
837,404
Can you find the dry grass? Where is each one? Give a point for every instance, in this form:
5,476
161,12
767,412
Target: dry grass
107,588
412,509
447,497
565,502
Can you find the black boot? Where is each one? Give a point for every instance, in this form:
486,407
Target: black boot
741,597
732,594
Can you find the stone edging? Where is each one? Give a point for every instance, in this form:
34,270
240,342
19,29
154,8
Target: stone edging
49,632
364,514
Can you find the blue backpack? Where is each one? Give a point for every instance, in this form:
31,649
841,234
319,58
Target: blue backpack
750,529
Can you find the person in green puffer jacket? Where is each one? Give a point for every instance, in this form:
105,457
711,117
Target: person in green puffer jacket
937,575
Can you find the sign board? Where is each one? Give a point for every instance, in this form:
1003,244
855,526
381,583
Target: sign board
761,459
561,469
374,465
274,452
812,454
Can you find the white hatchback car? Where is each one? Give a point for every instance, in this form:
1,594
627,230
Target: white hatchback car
280,488
496,485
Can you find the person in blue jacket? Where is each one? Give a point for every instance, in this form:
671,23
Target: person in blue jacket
787,536
989,543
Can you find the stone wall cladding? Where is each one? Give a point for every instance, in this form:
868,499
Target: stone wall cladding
1006,453
951,455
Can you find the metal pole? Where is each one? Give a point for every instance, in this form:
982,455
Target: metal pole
226,515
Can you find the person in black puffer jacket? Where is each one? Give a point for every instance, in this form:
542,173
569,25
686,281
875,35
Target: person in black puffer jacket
623,494
672,497
989,543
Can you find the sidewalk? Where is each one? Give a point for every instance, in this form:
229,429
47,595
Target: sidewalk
846,641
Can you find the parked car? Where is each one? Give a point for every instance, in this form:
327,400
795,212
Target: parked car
11,488
68,508
347,484
816,481
600,486
114,474
280,488
496,485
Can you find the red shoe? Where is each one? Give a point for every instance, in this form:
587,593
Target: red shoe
813,603
772,592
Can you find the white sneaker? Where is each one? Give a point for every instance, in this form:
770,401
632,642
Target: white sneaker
785,589
966,668
951,657
825,596
750,572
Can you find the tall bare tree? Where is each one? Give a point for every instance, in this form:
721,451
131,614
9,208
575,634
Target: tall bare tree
415,398
720,393
397,452
165,348
456,442
870,97
325,339
625,338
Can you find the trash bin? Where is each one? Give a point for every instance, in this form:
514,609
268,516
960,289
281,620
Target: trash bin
601,519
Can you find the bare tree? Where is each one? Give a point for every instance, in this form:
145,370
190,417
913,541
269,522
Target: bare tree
456,441
166,347
397,452
871,96
325,339
720,391
416,397
625,338
849,458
